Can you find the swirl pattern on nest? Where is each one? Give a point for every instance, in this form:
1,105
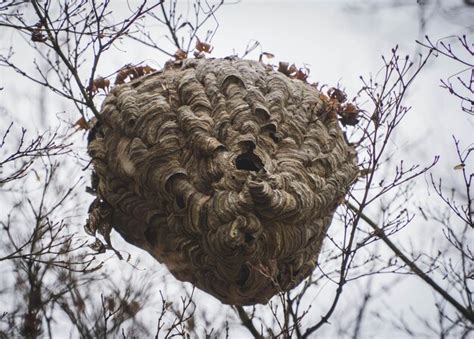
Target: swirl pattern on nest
226,171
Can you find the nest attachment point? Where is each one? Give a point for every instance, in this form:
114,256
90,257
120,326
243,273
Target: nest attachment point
225,170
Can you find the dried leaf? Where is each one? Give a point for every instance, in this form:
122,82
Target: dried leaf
132,72
98,246
81,124
148,69
180,55
459,167
122,74
338,94
324,98
292,69
302,74
203,46
285,68
351,108
349,115
37,35
101,83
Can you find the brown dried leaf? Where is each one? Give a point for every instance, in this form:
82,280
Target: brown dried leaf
81,124
324,98
351,108
37,36
203,47
121,76
132,72
148,69
459,166
292,69
180,55
338,94
349,115
302,74
285,68
101,83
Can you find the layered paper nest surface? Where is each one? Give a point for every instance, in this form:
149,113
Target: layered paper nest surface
227,171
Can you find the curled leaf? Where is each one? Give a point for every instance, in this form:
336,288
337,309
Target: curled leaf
349,114
98,246
203,46
285,68
99,83
302,74
132,72
37,35
81,124
338,94
180,55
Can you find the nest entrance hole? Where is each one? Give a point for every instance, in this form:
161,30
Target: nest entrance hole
244,274
248,162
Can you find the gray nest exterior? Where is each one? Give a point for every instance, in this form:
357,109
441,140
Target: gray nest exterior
227,171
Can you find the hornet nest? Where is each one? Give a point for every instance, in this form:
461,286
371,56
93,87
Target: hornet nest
226,170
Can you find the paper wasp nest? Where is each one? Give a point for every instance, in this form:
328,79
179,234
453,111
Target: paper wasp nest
225,170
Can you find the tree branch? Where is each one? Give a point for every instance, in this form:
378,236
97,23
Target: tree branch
467,313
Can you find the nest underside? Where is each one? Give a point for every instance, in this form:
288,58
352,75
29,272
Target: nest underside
225,170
